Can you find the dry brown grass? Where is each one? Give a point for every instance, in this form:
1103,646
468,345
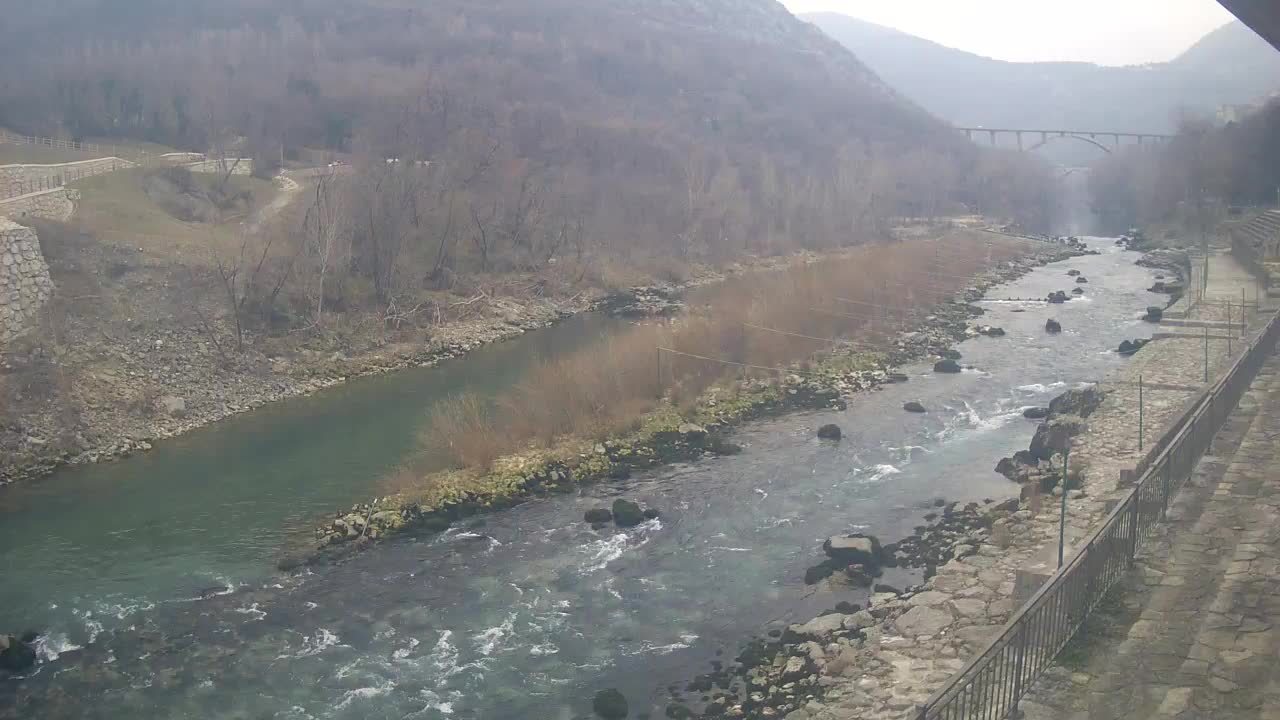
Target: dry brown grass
751,325
462,427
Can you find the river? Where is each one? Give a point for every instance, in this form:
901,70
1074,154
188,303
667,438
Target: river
526,612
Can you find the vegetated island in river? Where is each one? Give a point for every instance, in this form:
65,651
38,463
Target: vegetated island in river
695,413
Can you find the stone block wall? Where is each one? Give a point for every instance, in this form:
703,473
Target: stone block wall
24,179
56,204
25,285
238,166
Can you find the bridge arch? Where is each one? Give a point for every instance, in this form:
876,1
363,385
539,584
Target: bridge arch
1050,138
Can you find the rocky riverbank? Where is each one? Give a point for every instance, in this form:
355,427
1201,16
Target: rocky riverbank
668,434
883,661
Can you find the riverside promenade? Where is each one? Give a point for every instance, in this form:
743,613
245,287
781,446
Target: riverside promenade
1191,631
927,637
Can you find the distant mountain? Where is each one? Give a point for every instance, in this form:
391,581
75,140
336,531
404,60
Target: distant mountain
1230,65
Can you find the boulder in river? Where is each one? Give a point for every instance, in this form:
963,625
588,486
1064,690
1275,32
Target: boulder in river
1073,273
1052,326
913,407
1055,436
1082,280
627,513
819,572
598,515
1129,347
858,575
1036,413
16,656
1077,401
864,550
1154,314
946,366
610,704
830,431
1058,297
990,331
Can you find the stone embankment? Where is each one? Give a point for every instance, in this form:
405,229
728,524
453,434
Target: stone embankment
233,166
56,204
885,661
24,279
26,178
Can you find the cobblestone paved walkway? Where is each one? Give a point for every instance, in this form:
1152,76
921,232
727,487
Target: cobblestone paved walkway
1201,637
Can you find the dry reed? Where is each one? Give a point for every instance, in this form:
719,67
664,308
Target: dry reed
769,319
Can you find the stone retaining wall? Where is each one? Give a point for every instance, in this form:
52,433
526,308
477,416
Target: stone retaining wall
24,179
25,285
237,166
55,204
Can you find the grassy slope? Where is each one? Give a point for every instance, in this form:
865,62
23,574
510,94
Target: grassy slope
117,209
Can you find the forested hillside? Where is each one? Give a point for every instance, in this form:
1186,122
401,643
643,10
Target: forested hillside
1195,178
677,127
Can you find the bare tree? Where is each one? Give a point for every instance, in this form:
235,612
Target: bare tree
324,233
239,279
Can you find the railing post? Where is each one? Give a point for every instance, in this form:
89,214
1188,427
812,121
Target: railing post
1133,524
1019,670
1140,418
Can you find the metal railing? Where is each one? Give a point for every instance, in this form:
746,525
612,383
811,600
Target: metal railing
991,684
59,176
59,144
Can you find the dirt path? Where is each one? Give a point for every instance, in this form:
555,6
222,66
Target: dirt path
288,191
1199,639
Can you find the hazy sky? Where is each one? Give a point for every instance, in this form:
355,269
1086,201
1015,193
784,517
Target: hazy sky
1110,32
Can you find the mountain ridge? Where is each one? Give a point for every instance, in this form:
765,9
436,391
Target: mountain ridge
1230,65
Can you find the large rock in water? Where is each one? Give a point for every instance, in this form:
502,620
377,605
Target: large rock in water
914,407
610,704
627,513
1036,413
1154,314
1080,402
864,550
1055,436
829,431
1129,347
946,366
1052,326
16,656
597,515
